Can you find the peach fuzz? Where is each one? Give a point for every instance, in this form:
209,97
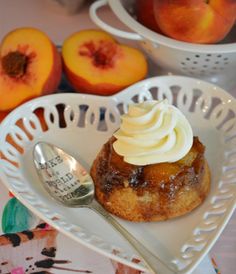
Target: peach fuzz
195,21
145,14
30,66
94,62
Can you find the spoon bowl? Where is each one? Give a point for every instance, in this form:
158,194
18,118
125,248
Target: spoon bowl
67,181
64,178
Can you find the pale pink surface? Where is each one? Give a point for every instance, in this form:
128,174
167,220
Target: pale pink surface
224,250
58,24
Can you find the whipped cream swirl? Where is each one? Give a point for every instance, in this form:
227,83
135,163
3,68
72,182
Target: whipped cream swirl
153,132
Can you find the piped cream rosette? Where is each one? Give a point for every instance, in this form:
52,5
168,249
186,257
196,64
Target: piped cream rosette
153,132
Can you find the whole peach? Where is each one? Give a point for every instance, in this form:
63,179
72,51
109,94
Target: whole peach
195,21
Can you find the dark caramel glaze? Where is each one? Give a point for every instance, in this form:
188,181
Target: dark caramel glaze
167,179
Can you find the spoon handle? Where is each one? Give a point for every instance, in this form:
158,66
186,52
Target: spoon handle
153,263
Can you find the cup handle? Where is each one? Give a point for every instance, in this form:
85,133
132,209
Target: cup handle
120,33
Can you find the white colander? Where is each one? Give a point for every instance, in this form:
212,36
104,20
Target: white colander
215,63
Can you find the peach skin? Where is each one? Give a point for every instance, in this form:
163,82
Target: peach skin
94,62
195,21
30,66
145,14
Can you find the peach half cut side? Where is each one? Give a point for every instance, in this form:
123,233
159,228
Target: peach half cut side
94,62
30,66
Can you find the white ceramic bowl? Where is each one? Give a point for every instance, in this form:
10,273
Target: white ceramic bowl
215,63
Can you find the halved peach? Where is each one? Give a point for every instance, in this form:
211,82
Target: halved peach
96,63
30,66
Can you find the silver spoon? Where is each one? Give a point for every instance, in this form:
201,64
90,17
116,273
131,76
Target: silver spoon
66,180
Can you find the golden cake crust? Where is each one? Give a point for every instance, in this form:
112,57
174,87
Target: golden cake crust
153,192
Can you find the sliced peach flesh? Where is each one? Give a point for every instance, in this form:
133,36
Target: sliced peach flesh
96,57
26,62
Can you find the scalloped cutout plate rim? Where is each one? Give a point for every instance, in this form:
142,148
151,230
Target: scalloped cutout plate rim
140,90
